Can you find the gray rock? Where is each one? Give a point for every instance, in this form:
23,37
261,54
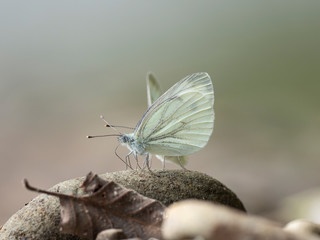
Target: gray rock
40,218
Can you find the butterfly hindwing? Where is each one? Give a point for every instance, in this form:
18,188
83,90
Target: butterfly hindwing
153,89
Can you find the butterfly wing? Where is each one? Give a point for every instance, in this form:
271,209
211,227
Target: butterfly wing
153,93
179,160
153,89
179,122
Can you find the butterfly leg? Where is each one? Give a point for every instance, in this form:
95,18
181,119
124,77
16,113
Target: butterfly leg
144,162
144,165
150,160
137,161
147,163
127,162
164,163
181,164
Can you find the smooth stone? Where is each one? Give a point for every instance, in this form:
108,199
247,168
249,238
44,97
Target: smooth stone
197,219
40,218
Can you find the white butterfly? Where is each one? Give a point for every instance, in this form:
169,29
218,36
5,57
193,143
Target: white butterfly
178,123
153,93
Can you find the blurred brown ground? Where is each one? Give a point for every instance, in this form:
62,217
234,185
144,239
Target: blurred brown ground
64,64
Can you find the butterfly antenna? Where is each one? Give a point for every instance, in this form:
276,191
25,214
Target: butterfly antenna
108,135
113,126
109,125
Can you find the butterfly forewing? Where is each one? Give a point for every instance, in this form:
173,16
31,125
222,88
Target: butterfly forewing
179,122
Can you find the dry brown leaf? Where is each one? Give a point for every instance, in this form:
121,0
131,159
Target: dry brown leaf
108,205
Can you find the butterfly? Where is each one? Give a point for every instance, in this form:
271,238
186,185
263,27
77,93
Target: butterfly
177,123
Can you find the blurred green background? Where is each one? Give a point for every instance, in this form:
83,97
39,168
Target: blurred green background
64,63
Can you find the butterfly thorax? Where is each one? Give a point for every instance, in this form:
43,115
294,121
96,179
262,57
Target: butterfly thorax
131,142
